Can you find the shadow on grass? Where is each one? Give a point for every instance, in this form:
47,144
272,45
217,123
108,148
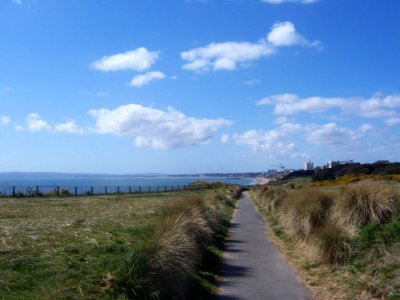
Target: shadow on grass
206,281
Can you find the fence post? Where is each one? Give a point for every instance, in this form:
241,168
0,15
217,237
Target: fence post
37,190
76,191
130,190
172,187
13,190
105,190
91,190
117,189
158,189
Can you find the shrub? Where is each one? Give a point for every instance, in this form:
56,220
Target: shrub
161,265
366,203
305,210
333,241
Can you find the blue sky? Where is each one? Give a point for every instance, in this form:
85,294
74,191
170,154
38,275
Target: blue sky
190,86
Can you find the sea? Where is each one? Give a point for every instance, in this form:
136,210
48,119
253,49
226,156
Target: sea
57,179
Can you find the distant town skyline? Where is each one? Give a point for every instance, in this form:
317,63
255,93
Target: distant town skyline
197,86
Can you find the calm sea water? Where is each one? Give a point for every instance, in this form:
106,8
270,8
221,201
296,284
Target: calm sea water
98,180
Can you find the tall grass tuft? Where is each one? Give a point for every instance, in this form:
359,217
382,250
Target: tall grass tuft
333,242
268,198
161,265
304,211
366,203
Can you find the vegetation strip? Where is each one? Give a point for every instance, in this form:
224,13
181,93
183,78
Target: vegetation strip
111,247
345,241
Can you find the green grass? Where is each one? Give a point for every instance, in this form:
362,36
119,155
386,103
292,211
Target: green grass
65,248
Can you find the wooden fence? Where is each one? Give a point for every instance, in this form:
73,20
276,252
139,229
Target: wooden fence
38,190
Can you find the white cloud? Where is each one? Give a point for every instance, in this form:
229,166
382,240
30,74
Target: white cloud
366,128
143,79
225,138
231,55
284,34
34,123
287,1
19,2
279,142
139,59
392,121
224,56
330,134
68,127
155,128
4,121
272,143
374,107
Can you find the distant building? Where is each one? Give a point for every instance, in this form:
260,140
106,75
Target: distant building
308,165
332,164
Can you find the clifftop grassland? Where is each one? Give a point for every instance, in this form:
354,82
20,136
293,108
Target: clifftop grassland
110,247
343,240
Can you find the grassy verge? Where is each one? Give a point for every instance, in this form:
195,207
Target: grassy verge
344,242
79,248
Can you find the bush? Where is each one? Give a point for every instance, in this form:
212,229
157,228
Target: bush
333,241
161,265
303,211
268,198
366,203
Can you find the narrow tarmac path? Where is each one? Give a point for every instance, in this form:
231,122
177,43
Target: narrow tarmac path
252,267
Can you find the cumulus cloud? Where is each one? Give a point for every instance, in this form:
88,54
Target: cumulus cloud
68,127
287,1
284,34
375,107
224,56
231,55
4,121
143,79
279,142
392,121
139,59
34,123
330,134
155,128
366,128
272,143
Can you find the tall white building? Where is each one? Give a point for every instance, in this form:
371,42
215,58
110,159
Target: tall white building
308,165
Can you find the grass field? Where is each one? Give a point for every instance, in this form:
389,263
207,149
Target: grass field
70,248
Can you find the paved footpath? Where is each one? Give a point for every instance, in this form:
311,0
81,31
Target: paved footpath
252,267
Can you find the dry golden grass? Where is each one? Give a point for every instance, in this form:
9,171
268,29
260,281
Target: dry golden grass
364,203
304,211
346,247
268,197
161,265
